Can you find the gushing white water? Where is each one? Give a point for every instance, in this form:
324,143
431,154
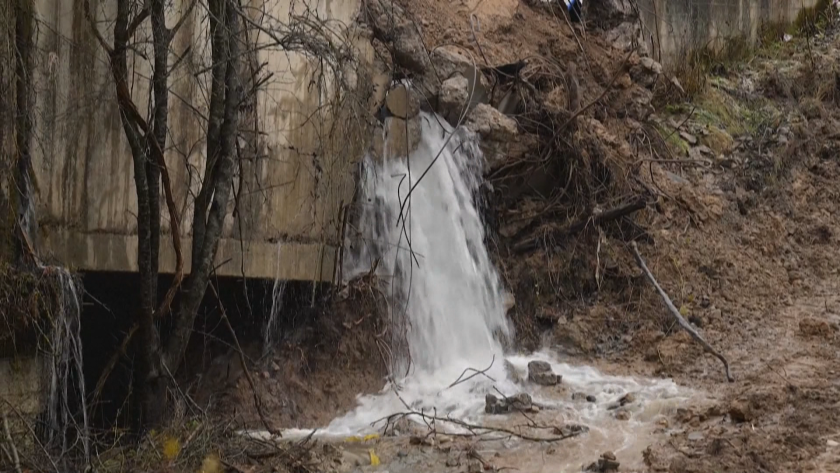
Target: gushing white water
429,237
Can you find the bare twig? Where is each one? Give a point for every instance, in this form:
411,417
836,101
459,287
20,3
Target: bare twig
676,313
13,453
476,372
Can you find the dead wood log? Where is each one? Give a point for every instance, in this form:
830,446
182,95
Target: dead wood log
676,313
581,225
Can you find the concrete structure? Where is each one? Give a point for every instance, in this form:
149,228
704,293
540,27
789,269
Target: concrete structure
289,194
676,26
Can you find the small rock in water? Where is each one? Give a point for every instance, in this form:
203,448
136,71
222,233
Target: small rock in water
538,366
590,398
539,372
579,396
832,443
604,464
402,454
571,430
518,402
622,414
628,398
493,405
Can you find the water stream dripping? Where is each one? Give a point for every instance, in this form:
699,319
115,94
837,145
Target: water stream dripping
277,291
64,368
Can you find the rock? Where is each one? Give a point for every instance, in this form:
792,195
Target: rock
402,103
402,454
626,35
590,398
391,25
475,466
493,405
570,430
544,379
696,436
498,133
688,137
520,402
509,301
454,460
739,411
539,372
396,139
646,72
539,366
622,414
275,366
832,443
579,396
628,398
453,98
607,462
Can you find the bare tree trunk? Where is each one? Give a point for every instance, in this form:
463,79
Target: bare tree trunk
26,220
147,381
216,187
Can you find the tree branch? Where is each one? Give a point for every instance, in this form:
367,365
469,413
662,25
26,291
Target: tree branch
676,313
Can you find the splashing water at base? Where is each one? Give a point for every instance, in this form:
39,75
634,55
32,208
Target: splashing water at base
421,223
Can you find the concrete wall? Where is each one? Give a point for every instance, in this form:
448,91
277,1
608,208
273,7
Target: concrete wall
290,192
675,26
20,385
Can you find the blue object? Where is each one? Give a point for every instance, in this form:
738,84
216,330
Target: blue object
574,9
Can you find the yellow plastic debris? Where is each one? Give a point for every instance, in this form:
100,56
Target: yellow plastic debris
683,311
171,448
352,439
371,437
374,460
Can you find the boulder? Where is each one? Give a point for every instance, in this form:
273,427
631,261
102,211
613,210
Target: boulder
446,63
498,133
391,25
453,98
626,35
646,72
402,103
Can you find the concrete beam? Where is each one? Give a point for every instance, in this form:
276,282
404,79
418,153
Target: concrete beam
290,261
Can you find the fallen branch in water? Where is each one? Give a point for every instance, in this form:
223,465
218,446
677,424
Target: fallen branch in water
676,313
580,225
476,372
478,429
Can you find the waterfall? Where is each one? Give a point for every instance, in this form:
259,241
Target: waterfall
420,222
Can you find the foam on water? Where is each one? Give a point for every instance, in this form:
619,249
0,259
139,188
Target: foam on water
450,296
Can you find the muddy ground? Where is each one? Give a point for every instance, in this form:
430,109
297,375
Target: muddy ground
742,184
